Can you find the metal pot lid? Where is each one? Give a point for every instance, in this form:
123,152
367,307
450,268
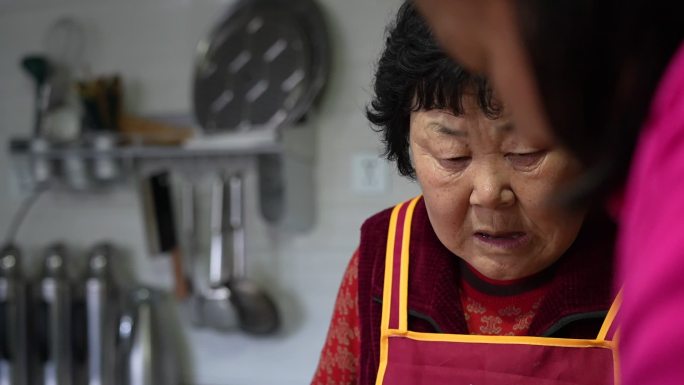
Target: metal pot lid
262,67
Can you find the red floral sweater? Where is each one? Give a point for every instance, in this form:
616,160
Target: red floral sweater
491,307
339,360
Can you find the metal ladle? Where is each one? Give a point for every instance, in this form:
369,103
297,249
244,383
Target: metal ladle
257,313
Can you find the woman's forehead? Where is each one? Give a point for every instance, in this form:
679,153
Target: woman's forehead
445,127
448,123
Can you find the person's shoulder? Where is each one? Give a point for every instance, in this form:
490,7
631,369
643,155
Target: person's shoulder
376,225
379,219
374,228
372,247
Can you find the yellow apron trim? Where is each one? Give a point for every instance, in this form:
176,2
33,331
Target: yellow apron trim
610,317
387,294
402,331
403,278
389,263
616,356
506,340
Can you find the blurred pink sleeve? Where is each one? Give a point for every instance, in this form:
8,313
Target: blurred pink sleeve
651,243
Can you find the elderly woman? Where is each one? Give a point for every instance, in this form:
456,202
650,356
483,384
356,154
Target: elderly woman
482,268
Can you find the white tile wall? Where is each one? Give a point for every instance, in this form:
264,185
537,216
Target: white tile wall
151,43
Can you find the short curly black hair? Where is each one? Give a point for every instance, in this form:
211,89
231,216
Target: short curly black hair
413,73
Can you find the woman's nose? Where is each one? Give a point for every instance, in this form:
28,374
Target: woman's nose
491,189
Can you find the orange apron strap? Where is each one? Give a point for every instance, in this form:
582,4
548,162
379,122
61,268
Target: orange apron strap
403,276
610,317
395,289
389,267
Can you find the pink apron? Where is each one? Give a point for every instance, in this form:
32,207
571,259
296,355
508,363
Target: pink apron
413,358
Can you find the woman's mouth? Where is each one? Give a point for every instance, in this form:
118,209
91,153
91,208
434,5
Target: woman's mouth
503,240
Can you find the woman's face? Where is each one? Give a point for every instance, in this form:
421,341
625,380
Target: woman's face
487,191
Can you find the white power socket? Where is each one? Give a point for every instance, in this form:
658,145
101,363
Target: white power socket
368,174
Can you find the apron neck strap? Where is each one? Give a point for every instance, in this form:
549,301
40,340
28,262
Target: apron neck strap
607,331
395,290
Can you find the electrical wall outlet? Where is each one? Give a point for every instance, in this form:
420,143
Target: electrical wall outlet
368,174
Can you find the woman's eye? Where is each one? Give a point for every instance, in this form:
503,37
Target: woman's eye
455,163
526,159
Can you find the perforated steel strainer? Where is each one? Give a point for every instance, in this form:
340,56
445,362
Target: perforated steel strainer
262,67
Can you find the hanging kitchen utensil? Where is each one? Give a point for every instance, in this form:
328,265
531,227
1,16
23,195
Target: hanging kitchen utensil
53,321
160,220
187,225
257,313
13,319
229,292
218,272
139,354
262,66
211,303
100,299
